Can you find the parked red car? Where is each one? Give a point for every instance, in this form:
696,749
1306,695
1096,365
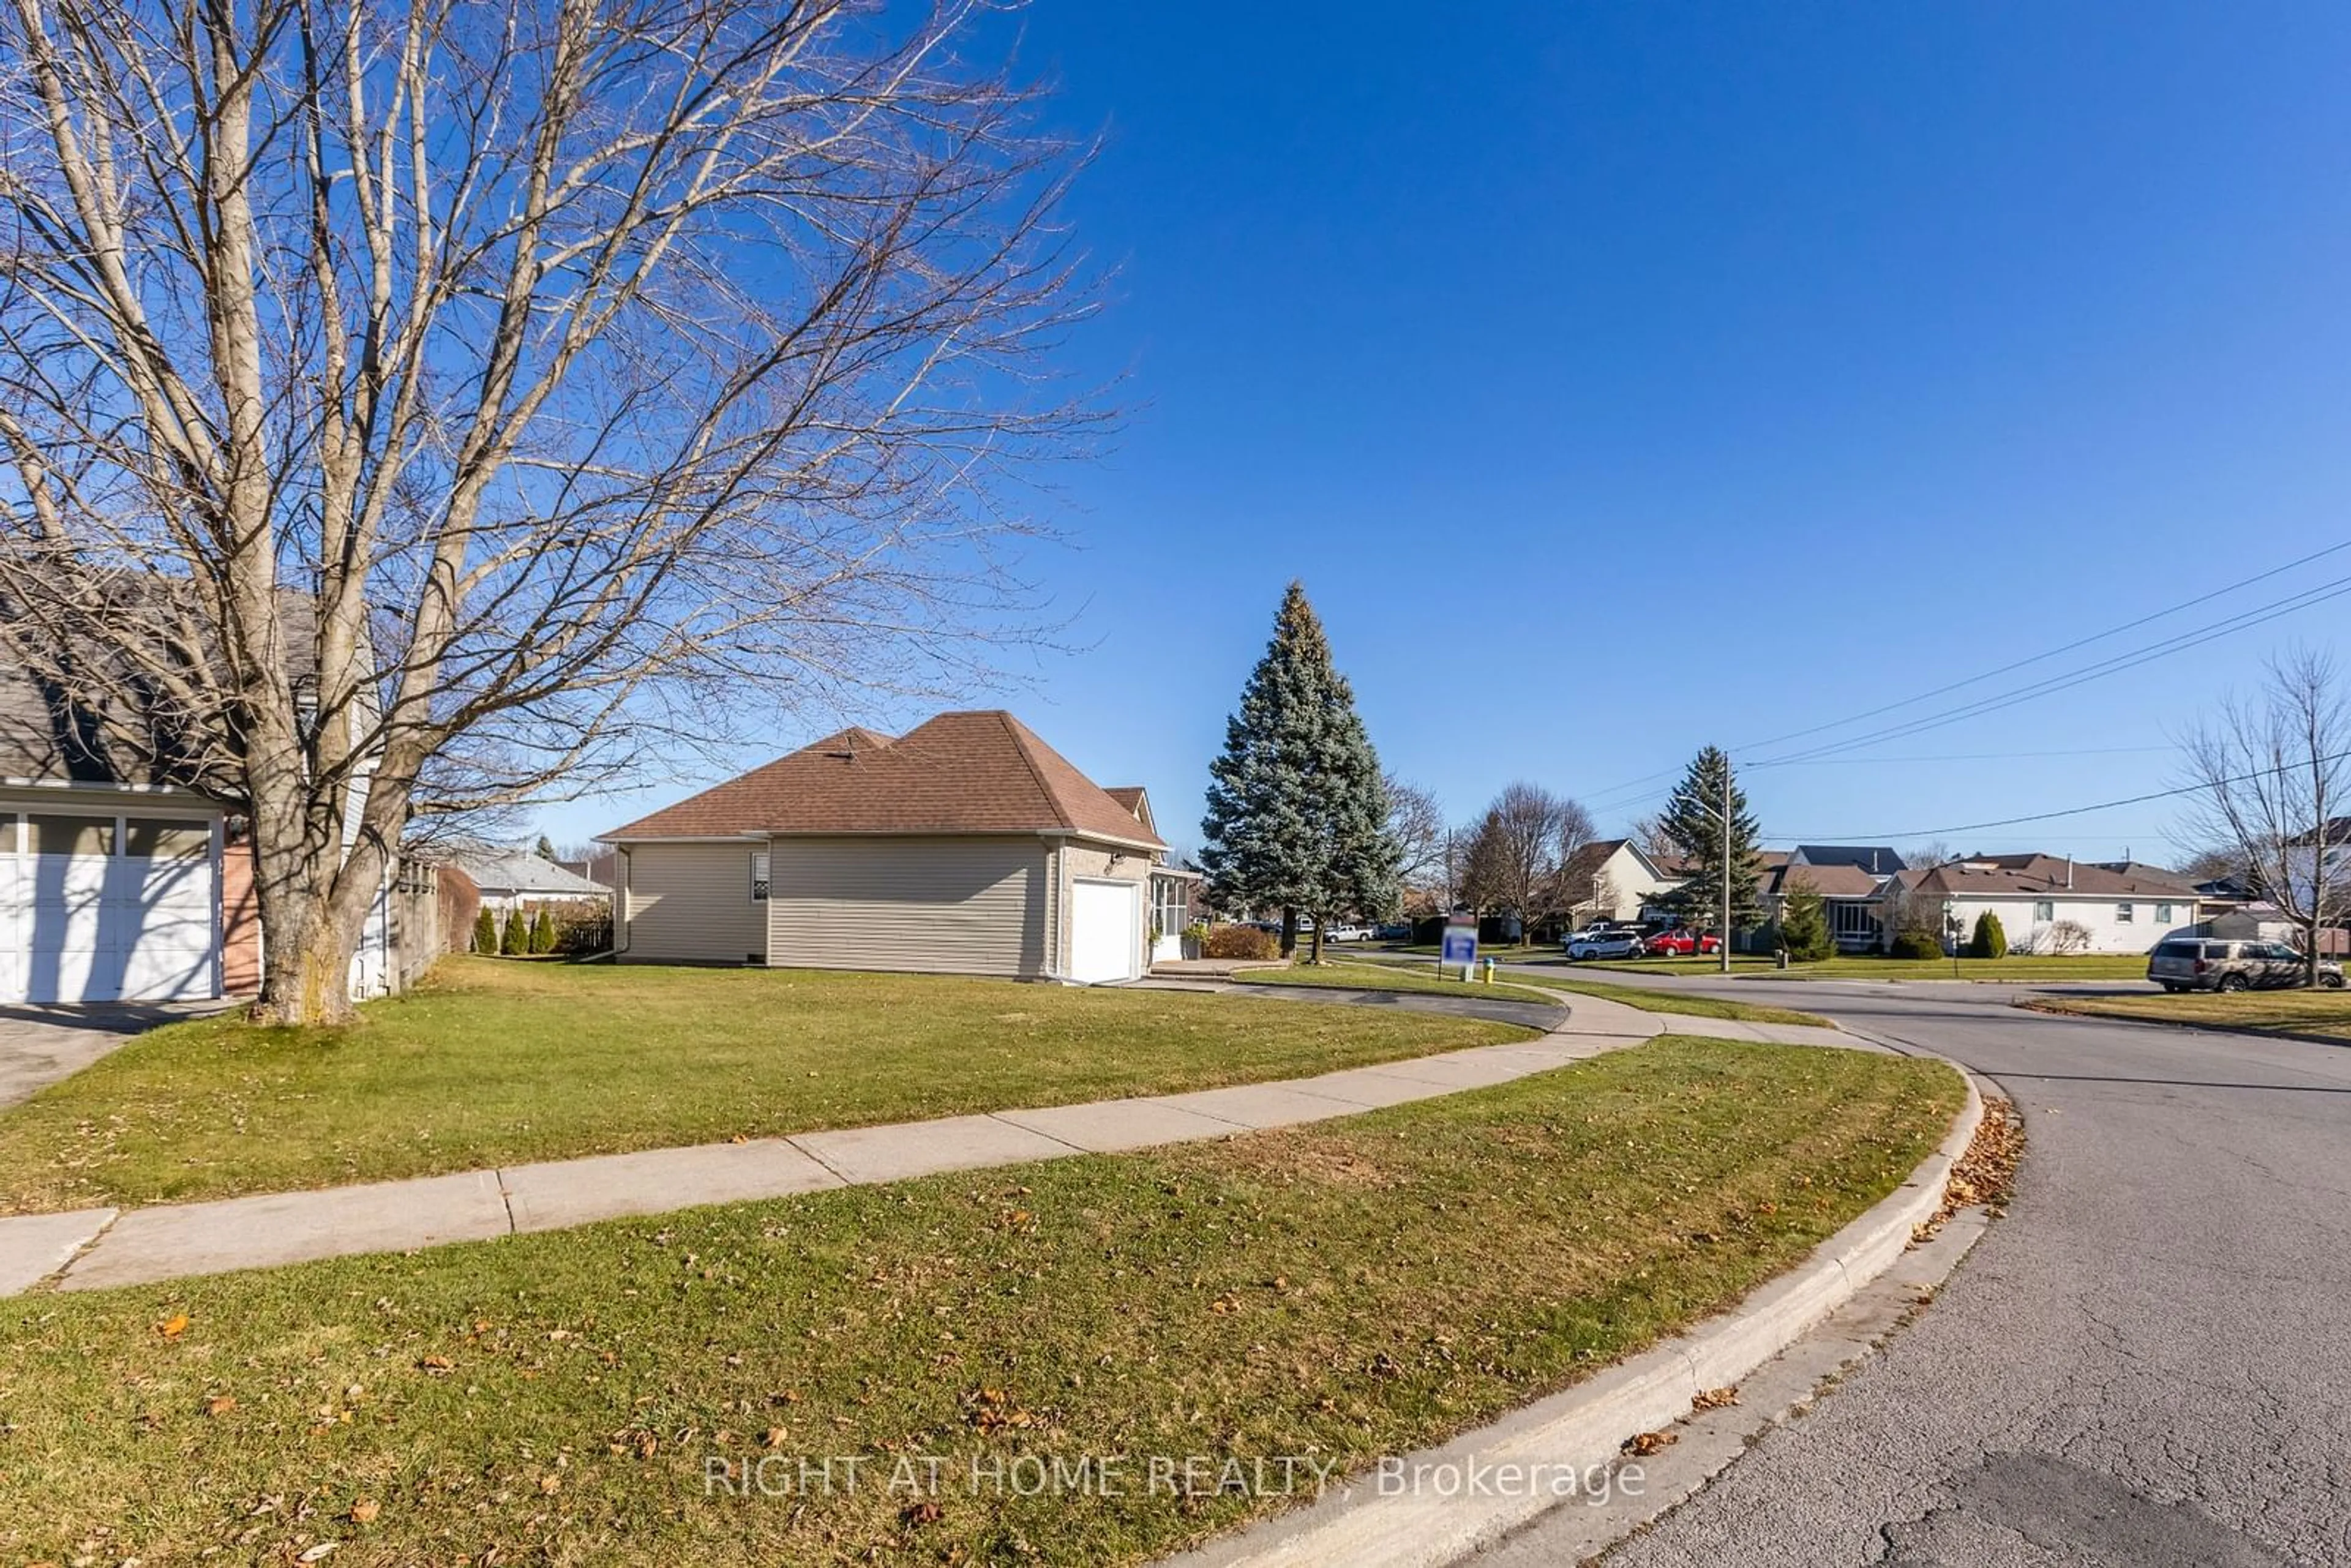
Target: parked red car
1681,944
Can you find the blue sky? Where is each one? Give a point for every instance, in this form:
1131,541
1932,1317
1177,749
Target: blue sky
1623,378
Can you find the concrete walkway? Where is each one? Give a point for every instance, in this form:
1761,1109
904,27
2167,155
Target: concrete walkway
102,1247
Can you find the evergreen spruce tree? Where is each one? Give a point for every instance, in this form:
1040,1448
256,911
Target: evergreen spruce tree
486,932
1298,815
517,941
1693,819
1805,923
542,932
1990,938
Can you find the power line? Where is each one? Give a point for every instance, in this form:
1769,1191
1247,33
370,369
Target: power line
2110,805
2178,643
1976,756
1605,800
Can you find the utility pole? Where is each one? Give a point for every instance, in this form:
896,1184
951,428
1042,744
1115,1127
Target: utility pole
1723,948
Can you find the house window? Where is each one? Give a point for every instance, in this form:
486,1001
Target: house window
72,835
2163,914
2045,910
2125,913
759,876
1171,904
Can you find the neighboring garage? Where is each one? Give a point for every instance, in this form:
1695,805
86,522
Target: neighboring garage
965,846
101,902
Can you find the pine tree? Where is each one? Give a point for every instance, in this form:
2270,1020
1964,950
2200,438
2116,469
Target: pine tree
544,848
486,932
542,932
518,935
1805,923
1693,819
1298,814
1990,938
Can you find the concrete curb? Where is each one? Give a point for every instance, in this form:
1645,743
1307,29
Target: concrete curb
2194,1026
1579,1431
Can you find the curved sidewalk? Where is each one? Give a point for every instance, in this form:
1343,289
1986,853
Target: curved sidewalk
98,1249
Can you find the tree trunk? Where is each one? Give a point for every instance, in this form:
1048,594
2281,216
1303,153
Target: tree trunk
1314,948
1289,931
314,909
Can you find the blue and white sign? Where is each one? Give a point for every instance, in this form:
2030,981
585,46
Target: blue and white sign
1460,943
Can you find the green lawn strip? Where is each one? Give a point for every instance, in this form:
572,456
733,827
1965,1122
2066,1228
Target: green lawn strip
1681,1002
2022,969
1392,975
493,1063
1354,1288
2303,1012
1339,974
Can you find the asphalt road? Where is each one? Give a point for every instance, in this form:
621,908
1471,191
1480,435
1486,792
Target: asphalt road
2147,1365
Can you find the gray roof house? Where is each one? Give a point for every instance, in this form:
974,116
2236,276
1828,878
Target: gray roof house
511,879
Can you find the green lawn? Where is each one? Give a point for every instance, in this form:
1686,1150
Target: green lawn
565,1398
1682,1002
2304,1012
1398,977
495,1063
1338,973
2014,970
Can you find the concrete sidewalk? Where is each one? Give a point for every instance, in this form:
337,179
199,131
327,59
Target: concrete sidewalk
102,1247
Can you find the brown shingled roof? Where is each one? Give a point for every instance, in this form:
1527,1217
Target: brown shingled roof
983,772
2045,875
1828,881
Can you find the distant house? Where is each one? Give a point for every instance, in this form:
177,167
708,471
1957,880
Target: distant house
1878,860
2048,905
1853,897
965,846
1612,879
517,879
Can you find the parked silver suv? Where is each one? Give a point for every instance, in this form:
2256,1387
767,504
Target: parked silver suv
2209,964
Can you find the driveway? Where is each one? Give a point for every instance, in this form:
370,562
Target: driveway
40,1045
2147,1364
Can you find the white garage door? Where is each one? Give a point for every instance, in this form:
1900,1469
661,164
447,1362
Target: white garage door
1105,933
98,909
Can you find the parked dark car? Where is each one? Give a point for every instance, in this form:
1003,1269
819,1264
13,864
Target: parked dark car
2209,964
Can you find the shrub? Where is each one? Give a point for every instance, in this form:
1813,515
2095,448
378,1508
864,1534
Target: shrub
542,932
1916,942
1990,938
517,940
1804,924
1238,942
486,932
584,928
2067,937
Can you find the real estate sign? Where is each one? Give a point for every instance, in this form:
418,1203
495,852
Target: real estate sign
1460,943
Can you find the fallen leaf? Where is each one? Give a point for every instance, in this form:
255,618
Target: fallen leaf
365,1510
550,1483
321,1552
1641,1445
1715,1399
221,1405
173,1327
436,1365
773,1438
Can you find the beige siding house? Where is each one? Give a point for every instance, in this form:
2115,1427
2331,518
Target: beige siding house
967,846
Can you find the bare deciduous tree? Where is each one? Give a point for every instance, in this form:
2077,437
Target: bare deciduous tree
1649,833
1417,823
1525,837
473,396
2271,773
1929,855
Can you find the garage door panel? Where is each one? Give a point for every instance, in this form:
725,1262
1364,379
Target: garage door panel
1105,932
92,928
